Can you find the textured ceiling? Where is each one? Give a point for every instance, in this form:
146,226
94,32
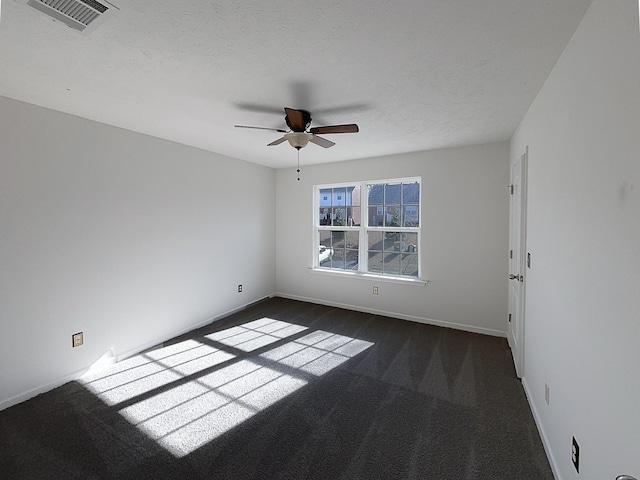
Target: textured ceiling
413,74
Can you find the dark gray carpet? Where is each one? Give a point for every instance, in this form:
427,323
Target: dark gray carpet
350,396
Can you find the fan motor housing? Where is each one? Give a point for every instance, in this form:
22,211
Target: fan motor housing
306,119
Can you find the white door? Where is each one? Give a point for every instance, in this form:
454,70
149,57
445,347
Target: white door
517,259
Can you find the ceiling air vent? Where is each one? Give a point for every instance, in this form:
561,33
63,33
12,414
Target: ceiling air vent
81,15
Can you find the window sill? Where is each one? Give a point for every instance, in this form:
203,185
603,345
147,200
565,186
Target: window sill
417,282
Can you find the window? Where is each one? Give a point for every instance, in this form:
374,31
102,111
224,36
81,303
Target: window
376,232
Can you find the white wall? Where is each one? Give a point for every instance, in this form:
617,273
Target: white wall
582,334
464,243
128,238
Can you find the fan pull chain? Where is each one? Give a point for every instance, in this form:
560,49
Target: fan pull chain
298,164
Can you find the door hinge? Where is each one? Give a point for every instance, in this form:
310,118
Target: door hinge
511,189
510,253
509,318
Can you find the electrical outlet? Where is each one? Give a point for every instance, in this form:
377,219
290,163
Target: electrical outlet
77,339
240,288
375,290
546,393
575,454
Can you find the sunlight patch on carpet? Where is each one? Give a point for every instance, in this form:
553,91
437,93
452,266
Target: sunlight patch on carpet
318,352
256,334
186,417
185,395
143,373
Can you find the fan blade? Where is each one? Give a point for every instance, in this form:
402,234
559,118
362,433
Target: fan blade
295,119
262,128
255,107
277,142
351,128
323,142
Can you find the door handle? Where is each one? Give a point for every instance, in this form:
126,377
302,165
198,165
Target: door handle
516,277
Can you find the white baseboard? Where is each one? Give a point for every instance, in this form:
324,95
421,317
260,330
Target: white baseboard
198,325
204,323
427,321
545,441
21,397
6,403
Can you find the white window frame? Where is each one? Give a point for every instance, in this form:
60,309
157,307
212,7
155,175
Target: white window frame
364,229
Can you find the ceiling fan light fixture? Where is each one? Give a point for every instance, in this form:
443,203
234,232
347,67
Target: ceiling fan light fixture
298,139
299,134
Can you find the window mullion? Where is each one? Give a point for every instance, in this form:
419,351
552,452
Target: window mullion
363,254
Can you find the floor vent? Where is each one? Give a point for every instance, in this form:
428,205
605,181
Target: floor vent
81,15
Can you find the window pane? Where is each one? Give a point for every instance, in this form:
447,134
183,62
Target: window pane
391,263
353,216
409,264
325,238
340,196
352,259
411,193
352,240
375,241
324,256
392,194
324,217
324,249
376,216
410,216
354,195
375,262
376,194
339,217
391,241
337,240
392,217
337,259
409,242
325,197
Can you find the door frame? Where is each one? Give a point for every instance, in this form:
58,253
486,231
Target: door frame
516,326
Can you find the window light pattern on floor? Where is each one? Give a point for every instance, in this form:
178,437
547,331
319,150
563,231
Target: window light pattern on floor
186,395
256,334
317,352
149,371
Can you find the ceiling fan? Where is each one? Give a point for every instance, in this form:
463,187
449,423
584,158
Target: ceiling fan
299,133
